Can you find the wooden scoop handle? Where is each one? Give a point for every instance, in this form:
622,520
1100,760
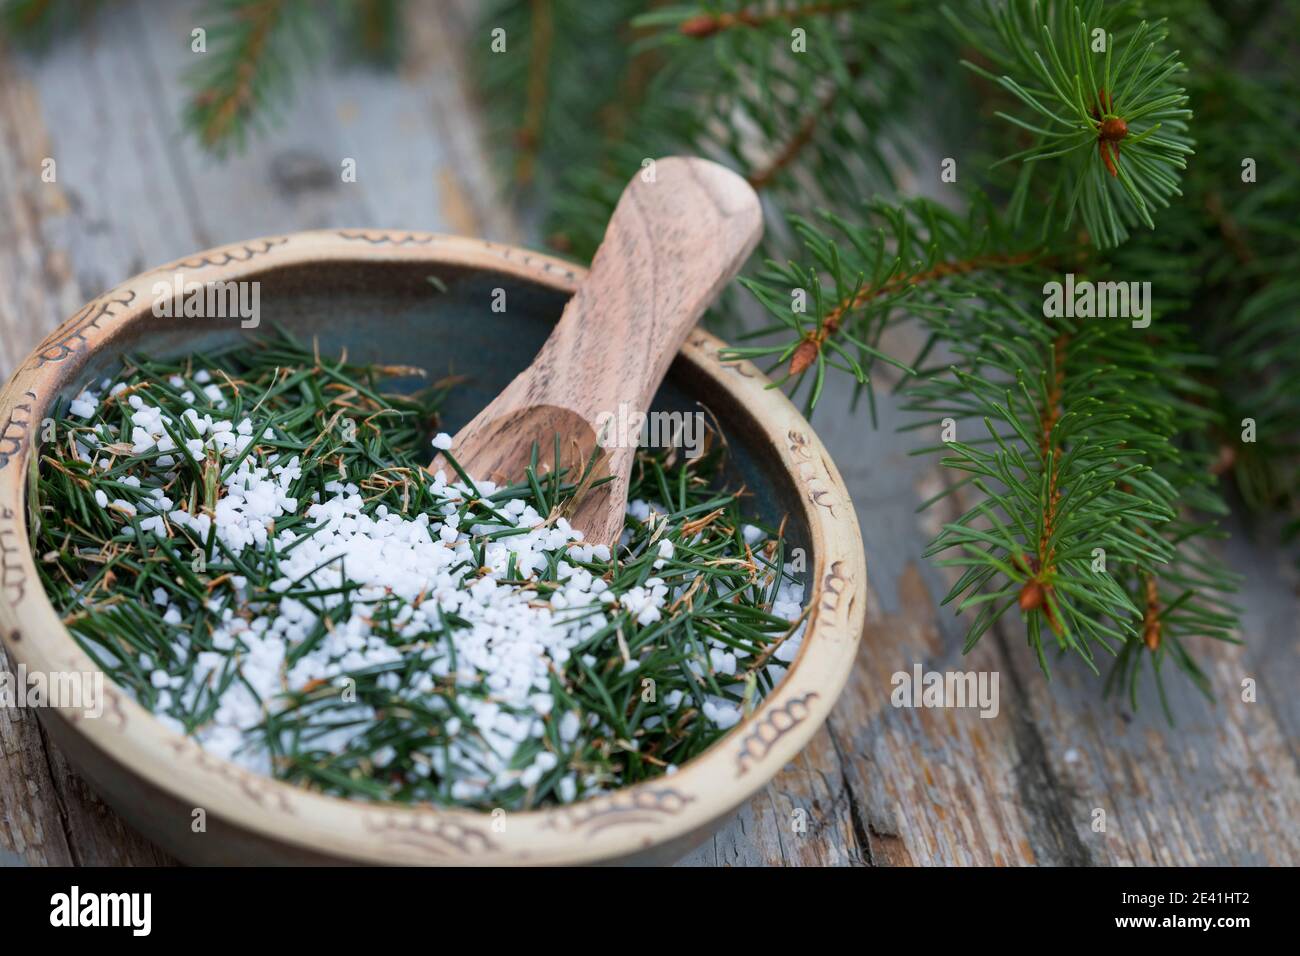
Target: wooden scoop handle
681,231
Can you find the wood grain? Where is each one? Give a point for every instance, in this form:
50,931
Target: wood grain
681,231
877,785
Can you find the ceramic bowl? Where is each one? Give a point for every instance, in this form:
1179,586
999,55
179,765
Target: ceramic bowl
369,291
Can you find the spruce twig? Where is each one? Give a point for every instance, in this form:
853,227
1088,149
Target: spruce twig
252,46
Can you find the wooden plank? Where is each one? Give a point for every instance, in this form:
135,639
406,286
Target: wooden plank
36,285
36,281
878,785
1220,785
31,821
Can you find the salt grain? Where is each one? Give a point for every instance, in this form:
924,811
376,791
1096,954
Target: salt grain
417,566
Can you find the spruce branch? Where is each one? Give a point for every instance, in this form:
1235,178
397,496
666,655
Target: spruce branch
254,46
36,23
375,27
805,91
566,80
1087,503
732,81
707,24
1231,249
831,309
1104,110
1047,469
1187,597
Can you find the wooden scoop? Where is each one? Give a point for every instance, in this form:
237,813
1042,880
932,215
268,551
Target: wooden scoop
681,231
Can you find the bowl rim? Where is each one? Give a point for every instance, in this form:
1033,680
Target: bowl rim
619,824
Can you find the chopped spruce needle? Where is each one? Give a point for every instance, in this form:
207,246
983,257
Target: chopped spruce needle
249,542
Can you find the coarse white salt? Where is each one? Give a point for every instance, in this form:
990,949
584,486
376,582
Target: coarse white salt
361,591
83,406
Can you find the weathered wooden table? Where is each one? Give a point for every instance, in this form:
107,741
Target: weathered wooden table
878,785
